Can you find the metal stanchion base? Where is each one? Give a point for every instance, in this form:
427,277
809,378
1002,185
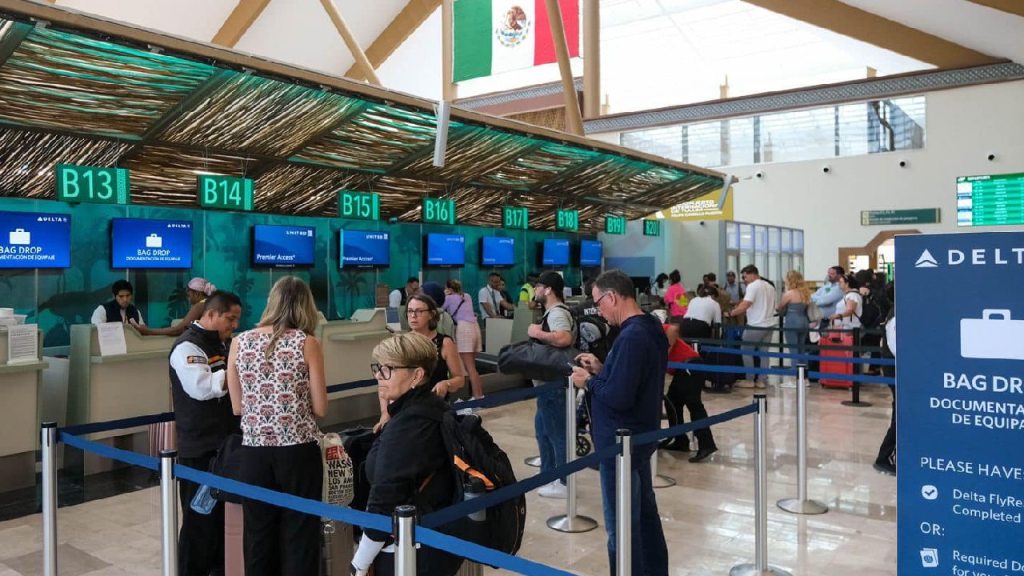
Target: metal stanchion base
797,506
662,481
532,461
751,570
574,525
855,404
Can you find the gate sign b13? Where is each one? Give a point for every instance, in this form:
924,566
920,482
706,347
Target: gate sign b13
92,184
35,240
960,381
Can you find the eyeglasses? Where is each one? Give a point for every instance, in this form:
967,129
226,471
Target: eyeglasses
601,297
416,312
384,370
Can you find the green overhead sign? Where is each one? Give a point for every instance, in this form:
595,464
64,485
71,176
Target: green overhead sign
515,217
615,225
92,184
896,217
438,211
225,192
567,220
358,205
652,227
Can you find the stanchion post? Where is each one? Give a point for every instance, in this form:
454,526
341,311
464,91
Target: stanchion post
405,540
168,513
760,565
571,522
623,504
48,444
855,400
800,504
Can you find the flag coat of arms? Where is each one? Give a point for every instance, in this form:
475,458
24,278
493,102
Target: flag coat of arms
495,36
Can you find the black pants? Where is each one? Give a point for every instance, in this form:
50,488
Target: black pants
887,451
278,541
201,540
685,390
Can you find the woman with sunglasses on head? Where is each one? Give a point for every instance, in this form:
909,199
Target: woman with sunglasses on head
408,462
423,315
276,381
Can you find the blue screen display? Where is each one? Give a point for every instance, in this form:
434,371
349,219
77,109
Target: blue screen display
556,252
139,243
446,250
364,248
35,240
497,251
591,252
283,245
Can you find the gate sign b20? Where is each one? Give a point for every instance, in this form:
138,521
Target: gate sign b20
960,391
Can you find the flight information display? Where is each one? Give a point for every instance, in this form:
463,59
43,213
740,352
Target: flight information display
144,243
446,250
555,252
497,251
995,200
591,252
35,240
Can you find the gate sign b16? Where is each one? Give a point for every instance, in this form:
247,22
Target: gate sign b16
960,392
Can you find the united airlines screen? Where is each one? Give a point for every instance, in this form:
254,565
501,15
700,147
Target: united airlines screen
361,248
446,250
283,245
556,252
497,251
591,252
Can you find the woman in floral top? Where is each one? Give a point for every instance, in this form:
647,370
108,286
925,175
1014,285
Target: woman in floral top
276,382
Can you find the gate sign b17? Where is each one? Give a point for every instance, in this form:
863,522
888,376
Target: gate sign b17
960,392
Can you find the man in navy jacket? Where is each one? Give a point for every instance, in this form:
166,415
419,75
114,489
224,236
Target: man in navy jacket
626,392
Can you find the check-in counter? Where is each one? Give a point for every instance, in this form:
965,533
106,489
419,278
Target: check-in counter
498,334
347,346
102,388
19,417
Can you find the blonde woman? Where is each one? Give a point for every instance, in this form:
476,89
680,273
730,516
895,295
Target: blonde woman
408,462
276,382
793,309
467,331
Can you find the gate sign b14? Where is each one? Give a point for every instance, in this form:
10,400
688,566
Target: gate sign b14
227,192
960,391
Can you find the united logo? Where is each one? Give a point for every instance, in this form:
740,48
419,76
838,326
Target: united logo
514,28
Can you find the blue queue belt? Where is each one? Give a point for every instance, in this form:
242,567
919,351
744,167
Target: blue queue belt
91,428
860,378
790,355
127,456
694,367
351,386
502,398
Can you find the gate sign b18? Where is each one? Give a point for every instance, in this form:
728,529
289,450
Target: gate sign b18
960,391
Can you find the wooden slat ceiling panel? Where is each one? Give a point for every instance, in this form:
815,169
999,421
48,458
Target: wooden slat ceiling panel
162,175
87,91
258,115
376,138
29,171
59,80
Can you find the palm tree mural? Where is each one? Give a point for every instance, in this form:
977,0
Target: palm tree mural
177,304
242,287
351,283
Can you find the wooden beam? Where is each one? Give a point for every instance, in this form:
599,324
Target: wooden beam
871,28
350,41
573,117
408,20
1008,6
238,22
591,59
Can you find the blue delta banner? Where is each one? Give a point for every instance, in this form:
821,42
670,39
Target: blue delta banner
960,402
144,243
35,240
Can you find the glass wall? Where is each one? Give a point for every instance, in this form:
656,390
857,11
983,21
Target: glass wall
773,249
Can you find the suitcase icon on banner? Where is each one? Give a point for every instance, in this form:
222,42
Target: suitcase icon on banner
994,336
154,241
19,237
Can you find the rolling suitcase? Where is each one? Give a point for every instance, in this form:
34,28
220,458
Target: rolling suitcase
830,340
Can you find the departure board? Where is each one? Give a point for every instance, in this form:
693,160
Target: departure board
996,200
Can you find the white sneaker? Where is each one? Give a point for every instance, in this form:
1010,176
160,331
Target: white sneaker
744,384
554,490
462,411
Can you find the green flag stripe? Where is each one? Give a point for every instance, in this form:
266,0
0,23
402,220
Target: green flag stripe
472,39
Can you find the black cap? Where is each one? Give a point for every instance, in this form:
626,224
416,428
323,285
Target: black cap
552,280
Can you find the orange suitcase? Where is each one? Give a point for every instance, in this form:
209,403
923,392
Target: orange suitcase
835,339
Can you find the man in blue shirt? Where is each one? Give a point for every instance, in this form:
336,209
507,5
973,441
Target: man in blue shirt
829,293
626,392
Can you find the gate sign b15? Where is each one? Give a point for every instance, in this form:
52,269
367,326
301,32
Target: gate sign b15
960,415
92,184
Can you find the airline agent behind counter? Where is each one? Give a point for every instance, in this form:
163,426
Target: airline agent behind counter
120,307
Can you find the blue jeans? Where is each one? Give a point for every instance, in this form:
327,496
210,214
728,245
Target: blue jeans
650,554
549,426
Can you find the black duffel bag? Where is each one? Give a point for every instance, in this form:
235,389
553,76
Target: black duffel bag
228,464
536,360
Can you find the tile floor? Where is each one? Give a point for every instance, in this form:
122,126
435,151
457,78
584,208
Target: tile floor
708,516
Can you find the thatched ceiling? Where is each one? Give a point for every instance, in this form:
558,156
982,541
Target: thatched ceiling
79,90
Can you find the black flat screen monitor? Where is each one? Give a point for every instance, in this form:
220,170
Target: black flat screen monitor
445,250
283,246
35,240
497,251
364,249
555,252
591,252
145,243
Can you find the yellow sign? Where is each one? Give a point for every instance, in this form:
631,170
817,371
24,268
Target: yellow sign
704,208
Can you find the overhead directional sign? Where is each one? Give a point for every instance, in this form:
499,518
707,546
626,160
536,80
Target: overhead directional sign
614,224
358,205
439,211
92,184
227,192
960,419
515,217
567,220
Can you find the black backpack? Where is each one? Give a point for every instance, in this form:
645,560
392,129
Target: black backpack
474,454
593,333
874,309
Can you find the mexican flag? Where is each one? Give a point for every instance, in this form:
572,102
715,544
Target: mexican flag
495,36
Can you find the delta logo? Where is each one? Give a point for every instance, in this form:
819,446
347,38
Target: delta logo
973,257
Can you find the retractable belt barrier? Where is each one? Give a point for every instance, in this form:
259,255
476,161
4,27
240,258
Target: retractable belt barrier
779,345
425,533
792,356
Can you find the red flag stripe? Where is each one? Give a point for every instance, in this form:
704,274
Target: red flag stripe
544,49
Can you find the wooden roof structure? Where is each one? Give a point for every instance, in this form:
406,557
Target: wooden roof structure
80,90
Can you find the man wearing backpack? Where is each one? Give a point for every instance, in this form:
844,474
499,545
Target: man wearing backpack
626,392
557,329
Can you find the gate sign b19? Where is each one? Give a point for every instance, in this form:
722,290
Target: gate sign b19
960,419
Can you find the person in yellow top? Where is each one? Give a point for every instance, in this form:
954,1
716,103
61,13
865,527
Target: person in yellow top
526,291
